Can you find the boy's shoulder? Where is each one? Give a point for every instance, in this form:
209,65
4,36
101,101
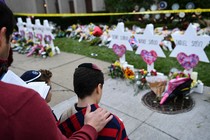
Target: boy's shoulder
67,113
74,116
114,128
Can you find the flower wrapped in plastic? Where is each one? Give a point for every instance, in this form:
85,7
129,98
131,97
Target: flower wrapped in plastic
139,81
116,70
157,84
176,87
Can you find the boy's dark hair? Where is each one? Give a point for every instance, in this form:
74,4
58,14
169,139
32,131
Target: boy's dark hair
6,20
46,75
86,78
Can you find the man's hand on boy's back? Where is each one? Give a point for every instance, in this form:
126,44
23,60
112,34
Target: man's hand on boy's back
97,119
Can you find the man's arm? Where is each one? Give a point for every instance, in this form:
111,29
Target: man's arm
44,125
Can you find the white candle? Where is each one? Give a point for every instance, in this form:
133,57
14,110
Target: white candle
194,76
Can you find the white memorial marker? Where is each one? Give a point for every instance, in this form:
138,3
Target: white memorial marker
189,51
120,38
190,43
149,46
48,36
29,29
21,29
38,31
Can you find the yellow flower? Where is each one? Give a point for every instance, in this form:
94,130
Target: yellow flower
145,72
193,84
117,63
74,26
129,74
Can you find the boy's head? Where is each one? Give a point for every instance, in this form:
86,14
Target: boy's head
36,76
87,77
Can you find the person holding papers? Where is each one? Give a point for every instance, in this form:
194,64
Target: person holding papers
24,115
42,75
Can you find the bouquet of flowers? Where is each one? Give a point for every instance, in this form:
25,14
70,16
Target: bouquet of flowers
179,85
140,81
175,73
136,78
128,73
157,83
176,87
116,70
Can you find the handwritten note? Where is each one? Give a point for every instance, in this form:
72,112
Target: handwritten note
119,36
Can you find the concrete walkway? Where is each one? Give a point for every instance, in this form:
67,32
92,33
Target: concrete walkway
141,123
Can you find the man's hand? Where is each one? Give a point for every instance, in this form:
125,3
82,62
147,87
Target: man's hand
97,119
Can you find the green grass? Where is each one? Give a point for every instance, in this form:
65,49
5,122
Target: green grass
106,54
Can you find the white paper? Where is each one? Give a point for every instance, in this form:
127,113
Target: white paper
41,87
12,78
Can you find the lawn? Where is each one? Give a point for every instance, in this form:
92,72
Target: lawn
106,54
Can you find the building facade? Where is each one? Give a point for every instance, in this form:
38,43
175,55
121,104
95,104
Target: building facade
56,6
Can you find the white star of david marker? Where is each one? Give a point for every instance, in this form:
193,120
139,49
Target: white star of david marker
190,43
148,41
120,37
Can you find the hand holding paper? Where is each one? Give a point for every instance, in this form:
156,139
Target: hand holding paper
41,87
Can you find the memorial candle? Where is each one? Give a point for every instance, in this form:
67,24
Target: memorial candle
194,76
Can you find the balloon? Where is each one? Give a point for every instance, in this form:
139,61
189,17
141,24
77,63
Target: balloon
187,62
146,16
157,16
162,5
149,57
190,5
168,14
142,9
175,6
153,7
97,31
181,14
119,50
